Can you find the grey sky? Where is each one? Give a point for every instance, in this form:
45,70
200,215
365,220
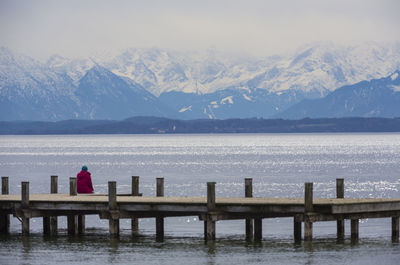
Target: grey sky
82,28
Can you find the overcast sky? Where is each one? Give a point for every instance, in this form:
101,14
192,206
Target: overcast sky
75,28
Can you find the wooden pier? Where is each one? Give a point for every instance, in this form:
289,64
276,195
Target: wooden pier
210,209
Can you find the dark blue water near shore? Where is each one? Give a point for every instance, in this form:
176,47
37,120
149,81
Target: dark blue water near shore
278,163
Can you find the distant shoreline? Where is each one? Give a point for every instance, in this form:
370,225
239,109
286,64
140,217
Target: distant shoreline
156,125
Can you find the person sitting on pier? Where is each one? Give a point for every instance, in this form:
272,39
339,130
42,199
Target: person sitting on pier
84,181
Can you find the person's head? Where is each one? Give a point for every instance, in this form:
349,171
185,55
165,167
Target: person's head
84,168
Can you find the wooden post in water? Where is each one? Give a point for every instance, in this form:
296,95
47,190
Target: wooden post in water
395,229
257,229
112,206
53,219
135,192
25,205
354,229
296,230
81,224
248,193
340,195
308,208
72,220
50,222
160,219
209,222
4,218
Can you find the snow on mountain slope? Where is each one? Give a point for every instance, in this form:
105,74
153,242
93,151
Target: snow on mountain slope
316,68
198,84
375,98
324,67
29,89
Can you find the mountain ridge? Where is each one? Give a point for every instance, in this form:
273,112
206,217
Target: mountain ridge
199,85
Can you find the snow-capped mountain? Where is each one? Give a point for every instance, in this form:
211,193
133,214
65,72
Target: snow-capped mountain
375,98
31,90
162,71
104,95
204,84
317,68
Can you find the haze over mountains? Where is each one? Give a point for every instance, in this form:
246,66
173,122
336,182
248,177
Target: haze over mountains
319,80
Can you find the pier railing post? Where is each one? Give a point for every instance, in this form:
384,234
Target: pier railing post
248,192
135,192
395,229
4,218
340,195
209,223
50,222
160,219
24,206
308,208
4,186
113,208
72,220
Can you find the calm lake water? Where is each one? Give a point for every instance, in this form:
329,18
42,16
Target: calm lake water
278,163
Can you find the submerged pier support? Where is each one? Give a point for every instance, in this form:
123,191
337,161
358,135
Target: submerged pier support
135,192
112,206
395,229
160,219
308,208
50,223
25,207
257,229
248,193
4,217
209,222
354,229
340,222
296,230
72,220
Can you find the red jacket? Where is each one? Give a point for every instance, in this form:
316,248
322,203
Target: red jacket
84,182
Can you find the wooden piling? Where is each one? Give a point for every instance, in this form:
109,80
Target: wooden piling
135,192
395,229
340,195
257,229
354,229
112,206
4,218
308,208
50,222
248,192
72,220
209,223
308,229
160,220
81,224
25,206
296,230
